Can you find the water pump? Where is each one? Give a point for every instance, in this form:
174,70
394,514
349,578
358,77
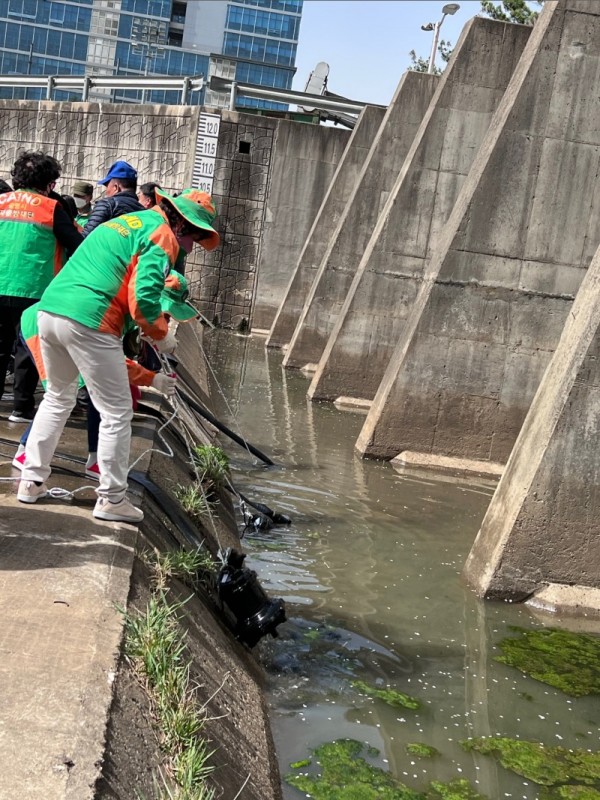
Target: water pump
254,613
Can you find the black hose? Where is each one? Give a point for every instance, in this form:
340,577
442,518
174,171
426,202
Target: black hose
223,428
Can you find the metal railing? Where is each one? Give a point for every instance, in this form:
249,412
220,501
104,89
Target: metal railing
185,85
83,83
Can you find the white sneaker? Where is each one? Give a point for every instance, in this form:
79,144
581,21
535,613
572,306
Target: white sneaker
123,511
29,492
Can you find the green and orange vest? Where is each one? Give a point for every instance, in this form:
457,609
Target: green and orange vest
30,255
117,273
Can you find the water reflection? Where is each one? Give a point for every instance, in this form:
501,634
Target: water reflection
370,572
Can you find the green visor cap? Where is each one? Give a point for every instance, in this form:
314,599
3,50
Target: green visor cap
173,298
198,209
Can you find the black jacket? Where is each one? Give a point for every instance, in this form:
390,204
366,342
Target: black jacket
110,207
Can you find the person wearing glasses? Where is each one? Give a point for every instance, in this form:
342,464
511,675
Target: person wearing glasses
36,238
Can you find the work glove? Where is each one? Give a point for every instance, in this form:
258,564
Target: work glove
168,344
165,384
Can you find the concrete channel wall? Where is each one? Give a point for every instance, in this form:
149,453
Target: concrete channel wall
304,161
500,283
353,230
335,199
390,271
542,523
291,163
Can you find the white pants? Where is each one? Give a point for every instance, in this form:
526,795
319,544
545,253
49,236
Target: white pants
68,349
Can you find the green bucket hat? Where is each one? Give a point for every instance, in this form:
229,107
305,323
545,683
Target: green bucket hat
198,209
173,298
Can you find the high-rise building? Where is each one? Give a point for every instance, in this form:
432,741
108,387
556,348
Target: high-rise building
253,41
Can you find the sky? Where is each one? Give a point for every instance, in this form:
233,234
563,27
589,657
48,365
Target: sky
367,42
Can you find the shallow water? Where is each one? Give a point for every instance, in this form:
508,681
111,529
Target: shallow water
370,572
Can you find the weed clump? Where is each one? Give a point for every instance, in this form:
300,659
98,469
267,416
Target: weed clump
193,500
421,750
155,649
212,466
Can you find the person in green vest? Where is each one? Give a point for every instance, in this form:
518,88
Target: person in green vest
116,275
36,237
82,193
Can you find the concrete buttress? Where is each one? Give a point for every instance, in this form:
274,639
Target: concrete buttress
334,202
500,282
542,523
391,268
348,238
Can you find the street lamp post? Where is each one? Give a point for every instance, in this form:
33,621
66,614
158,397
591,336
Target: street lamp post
448,10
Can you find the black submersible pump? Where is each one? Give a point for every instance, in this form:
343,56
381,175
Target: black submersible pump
254,613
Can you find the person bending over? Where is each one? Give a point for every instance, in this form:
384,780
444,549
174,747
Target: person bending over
118,273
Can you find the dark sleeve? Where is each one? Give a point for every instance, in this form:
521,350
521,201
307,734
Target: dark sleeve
102,212
65,230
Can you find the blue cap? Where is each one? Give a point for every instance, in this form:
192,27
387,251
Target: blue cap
120,169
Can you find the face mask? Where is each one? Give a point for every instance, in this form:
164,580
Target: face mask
186,242
80,202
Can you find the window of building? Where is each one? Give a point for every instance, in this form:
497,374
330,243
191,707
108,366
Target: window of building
175,38
178,13
57,13
26,9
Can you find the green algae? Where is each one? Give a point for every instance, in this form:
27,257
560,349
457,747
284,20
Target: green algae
547,766
571,793
422,750
458,789
345,775
390,696
306,762
567,661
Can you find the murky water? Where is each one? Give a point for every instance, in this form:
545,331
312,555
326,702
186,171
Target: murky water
370,572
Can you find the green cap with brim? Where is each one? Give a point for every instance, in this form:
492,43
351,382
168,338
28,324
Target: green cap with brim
198,209
173,298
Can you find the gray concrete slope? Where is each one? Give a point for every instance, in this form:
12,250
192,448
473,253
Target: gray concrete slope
542,523
391,269
332,207
508,263
351,235
62,576
303,162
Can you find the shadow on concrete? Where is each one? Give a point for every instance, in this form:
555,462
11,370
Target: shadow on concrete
52,537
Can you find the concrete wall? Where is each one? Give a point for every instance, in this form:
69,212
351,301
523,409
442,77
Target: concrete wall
390,272
337,195
305,158
224,280
501,280
88,137
542,523
350,236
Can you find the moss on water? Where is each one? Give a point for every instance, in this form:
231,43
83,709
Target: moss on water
390,696
547,766
458,789
306,762
571,793
568,661
345,775
422,750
